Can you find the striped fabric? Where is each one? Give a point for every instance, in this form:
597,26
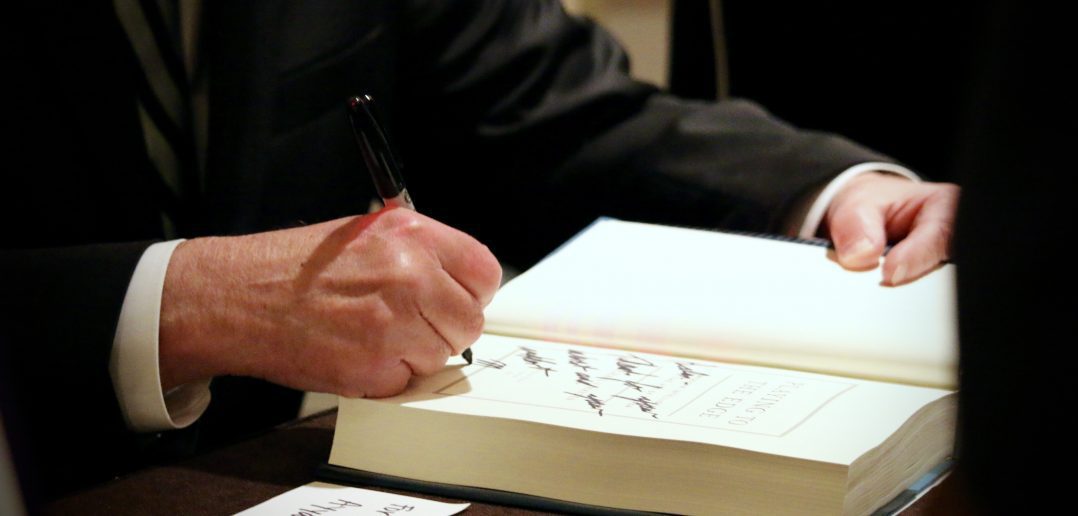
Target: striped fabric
164,95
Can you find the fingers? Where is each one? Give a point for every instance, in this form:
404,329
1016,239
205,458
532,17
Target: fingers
441,278
464,258
471,264
444,319
416,350
451,292
381,362
452,312
929,240
858,234
874,208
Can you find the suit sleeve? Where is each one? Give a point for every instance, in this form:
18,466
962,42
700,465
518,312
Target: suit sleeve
59,309
517,108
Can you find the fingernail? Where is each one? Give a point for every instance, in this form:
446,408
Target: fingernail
859,251
899,275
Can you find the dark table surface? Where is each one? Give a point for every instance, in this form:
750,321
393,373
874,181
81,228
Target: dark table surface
243,475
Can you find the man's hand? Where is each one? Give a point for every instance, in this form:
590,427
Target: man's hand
354,306
874,209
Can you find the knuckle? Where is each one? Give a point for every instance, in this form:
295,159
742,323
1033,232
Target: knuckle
406,222
484,273
944,238
467,326
379,316
943,191
472,326
490,268
946,231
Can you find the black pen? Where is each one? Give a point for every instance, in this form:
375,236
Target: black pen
381,161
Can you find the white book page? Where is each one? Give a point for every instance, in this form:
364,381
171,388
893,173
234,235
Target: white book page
733,298
787,413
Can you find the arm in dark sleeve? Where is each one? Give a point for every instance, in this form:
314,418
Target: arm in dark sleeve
59,309
70,183
518,109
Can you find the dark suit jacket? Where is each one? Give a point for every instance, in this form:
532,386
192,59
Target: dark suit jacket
1016,309
517,123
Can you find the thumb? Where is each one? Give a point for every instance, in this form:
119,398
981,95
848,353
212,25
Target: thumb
858,234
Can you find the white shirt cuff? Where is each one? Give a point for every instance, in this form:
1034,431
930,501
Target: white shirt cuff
810,225
134,366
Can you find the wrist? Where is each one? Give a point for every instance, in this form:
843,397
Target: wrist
228,307
193,336
813,222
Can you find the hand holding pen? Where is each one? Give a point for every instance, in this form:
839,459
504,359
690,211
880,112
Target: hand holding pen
381,161
356,306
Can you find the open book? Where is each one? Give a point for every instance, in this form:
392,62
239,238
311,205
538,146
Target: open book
664,369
